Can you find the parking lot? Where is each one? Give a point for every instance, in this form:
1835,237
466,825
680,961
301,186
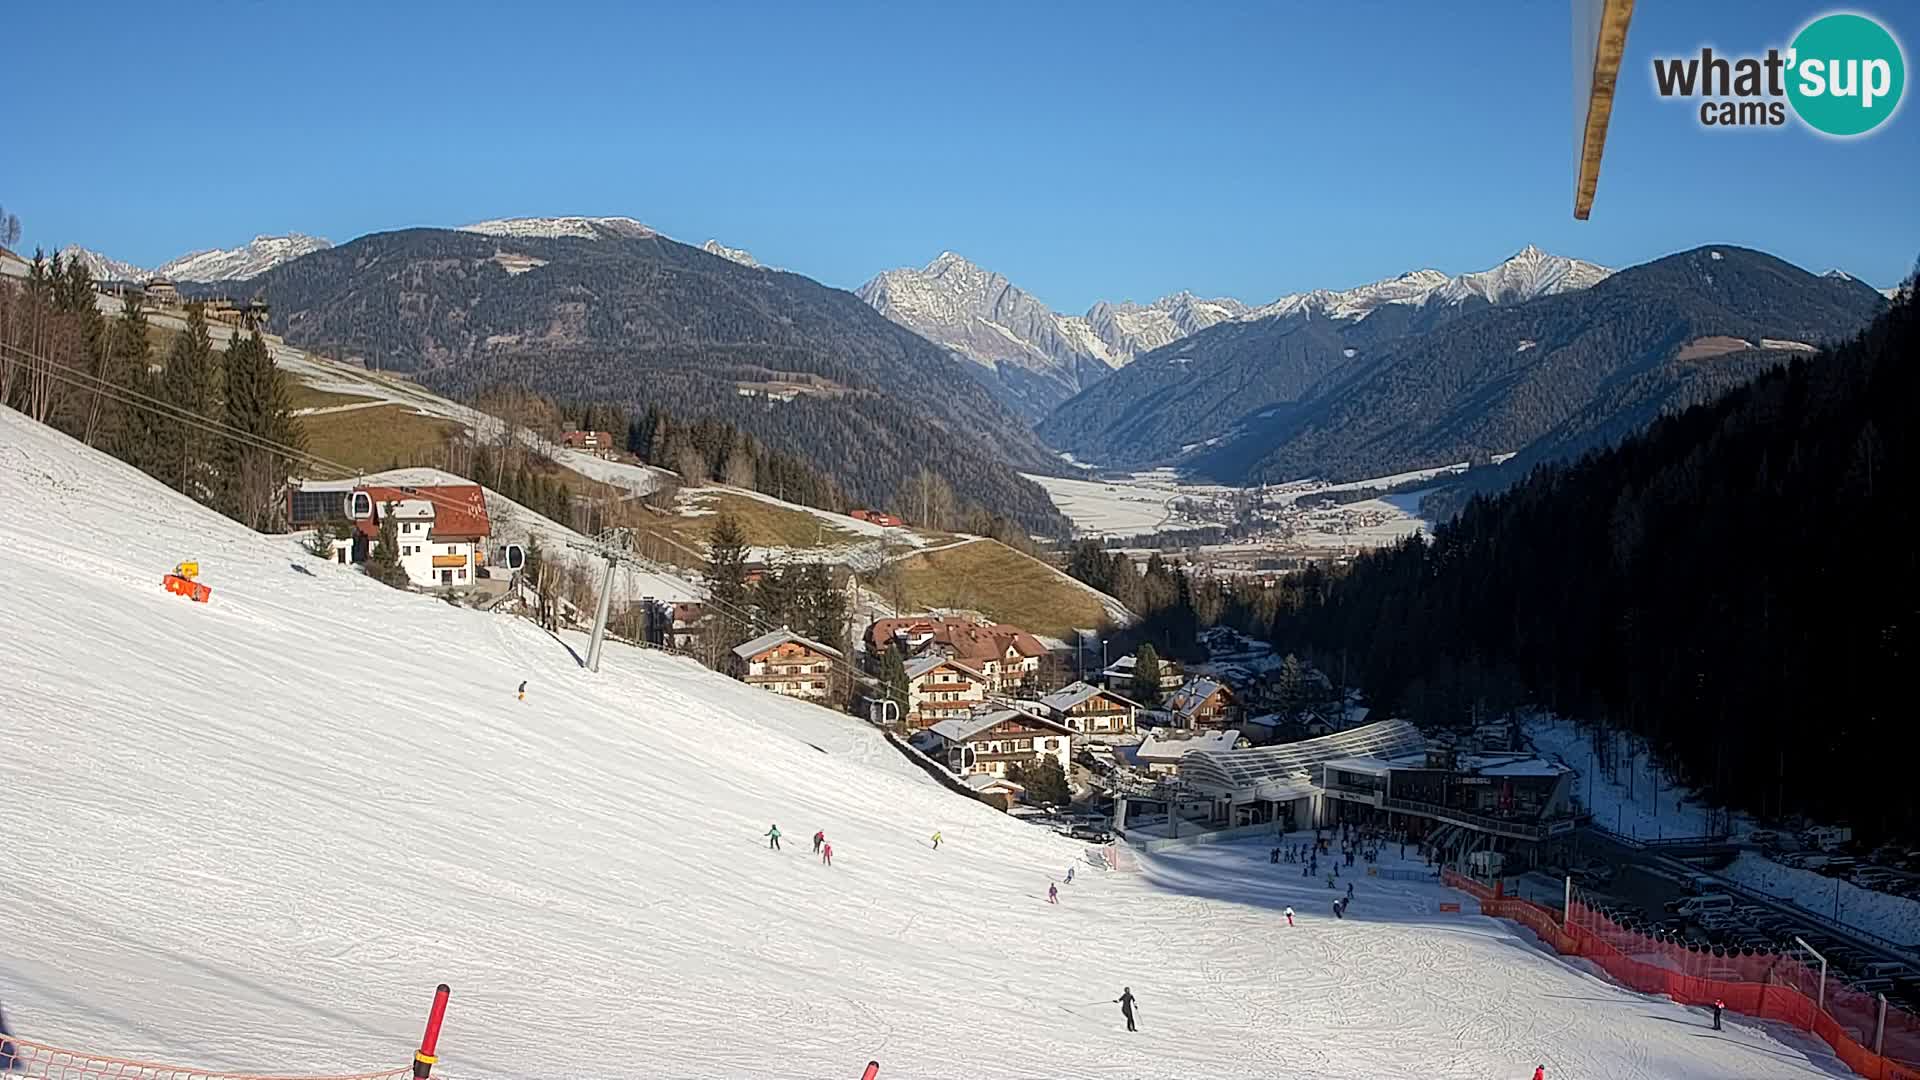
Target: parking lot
1660,895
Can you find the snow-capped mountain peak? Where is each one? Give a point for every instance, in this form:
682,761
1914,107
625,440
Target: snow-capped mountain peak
103,267
989,320
1529,273
256,257
731,254
585,228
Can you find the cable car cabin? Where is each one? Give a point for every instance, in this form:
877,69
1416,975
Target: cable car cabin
508,557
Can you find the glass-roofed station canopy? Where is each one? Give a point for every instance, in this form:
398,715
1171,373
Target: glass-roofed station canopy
1385,774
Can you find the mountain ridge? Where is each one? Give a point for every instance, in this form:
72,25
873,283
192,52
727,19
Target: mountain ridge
255,257
1557,375
601,313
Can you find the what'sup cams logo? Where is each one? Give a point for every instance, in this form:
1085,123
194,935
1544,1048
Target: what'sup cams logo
1842,76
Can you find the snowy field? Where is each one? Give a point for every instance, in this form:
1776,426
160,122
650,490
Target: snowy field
253,834
1160,501
1895,918
1639,801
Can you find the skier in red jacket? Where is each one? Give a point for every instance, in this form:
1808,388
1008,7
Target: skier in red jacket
1539,1072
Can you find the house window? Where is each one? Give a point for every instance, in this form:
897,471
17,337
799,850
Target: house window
462,575
1024,744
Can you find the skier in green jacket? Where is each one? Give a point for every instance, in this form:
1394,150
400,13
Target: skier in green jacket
773,838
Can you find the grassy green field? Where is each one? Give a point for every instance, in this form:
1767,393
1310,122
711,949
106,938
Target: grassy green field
765,524
989,577
302,396
379,438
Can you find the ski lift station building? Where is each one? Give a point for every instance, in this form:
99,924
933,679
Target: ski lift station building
1386,774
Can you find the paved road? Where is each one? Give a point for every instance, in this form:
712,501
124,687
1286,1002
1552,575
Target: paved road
1648,879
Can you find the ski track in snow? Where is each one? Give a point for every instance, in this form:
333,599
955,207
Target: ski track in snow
253,834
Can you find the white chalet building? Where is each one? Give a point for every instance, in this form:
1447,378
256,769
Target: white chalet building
940,688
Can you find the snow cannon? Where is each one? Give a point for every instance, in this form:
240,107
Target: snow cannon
181,583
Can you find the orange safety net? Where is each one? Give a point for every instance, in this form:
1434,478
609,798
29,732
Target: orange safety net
34,1061
1766,985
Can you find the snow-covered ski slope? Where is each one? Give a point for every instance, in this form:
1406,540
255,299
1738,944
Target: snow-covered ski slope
253,834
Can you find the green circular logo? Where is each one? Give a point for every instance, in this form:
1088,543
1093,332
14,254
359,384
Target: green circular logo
1846,74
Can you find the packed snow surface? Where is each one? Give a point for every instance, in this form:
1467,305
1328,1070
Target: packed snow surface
254,833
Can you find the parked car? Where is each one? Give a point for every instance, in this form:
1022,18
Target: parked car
1092,834
1828,837
1700,883
1764,837
1693,907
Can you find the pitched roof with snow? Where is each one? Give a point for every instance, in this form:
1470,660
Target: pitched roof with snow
1189,698
989,782
776,639
1167,748
1076,693
963,728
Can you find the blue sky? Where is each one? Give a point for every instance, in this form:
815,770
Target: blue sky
1112,150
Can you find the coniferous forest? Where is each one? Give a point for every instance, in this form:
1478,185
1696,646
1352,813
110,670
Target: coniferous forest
1738,585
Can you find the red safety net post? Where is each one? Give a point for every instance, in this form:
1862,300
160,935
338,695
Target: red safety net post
430,1041
873,1070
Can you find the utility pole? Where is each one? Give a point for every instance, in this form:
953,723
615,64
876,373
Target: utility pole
616,546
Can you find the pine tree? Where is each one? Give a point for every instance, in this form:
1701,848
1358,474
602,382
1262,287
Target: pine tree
1045,782
727,585
180,456
777,596
1290,689
825,615
383,562
254,469
1146,676
131,433
892,675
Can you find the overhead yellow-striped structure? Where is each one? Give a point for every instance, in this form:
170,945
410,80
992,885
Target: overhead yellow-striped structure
1599,41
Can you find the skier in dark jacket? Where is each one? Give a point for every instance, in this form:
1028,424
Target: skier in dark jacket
1125,1001
1718,1005
819,837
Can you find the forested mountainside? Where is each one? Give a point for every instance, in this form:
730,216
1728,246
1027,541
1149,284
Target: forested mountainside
641,320
1235,376
1282,398
1738,584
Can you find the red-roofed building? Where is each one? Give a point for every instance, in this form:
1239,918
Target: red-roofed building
1007,656
442,529
599,443
877,517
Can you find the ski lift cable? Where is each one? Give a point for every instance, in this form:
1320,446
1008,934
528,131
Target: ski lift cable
135,399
